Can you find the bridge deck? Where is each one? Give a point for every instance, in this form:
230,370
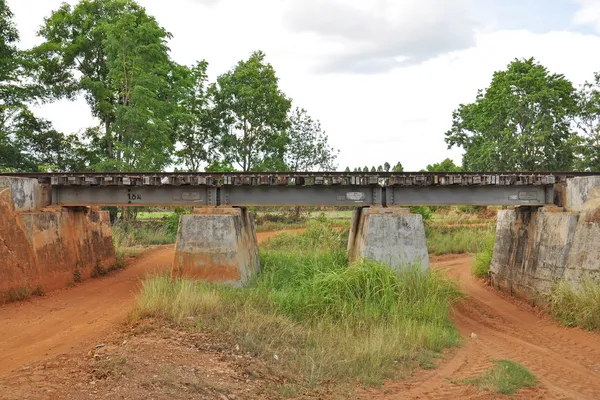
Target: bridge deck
302,188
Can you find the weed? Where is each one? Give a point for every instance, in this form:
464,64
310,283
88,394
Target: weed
77,275
506,377
38,291
98,270
577,305
483,259
16,294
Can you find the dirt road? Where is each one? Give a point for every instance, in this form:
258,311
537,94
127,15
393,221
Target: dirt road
73,319
567,361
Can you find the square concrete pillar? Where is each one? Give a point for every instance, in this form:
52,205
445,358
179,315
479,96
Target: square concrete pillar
390,235
217,245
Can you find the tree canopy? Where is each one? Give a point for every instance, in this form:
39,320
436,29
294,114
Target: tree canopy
521,122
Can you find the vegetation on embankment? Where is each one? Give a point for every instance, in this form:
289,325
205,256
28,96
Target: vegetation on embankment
317,316
506,377
576,305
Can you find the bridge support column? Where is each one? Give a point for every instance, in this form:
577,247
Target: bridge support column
391,235
217,245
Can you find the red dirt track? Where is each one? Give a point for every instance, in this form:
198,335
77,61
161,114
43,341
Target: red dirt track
567,361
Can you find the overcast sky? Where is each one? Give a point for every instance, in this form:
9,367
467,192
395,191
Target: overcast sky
382,76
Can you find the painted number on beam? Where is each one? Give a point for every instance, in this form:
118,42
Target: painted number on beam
133,196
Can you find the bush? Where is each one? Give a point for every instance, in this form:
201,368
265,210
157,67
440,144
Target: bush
577,306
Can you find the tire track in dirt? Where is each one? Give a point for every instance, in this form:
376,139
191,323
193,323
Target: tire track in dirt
566,360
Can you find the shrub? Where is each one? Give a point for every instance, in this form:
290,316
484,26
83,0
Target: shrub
577,305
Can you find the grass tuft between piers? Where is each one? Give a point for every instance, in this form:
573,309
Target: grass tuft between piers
506,377
323,319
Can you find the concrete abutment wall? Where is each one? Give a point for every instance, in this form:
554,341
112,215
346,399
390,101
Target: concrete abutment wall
47,247
539,246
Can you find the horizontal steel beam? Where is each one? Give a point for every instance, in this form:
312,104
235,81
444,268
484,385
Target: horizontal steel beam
470,195
300,196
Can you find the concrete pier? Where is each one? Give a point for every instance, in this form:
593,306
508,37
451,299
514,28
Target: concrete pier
217,245
390,235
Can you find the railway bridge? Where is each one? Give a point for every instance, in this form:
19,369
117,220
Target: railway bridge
218,242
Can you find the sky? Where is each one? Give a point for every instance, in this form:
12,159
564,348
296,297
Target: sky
382,76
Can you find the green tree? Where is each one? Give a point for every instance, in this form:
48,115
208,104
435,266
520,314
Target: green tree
387,166
308,146
588,122
117,56
445,166
347,169
26,142
253,114
398,167
373,169
521,122
193,116
365,169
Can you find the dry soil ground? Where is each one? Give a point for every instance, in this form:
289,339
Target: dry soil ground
75,344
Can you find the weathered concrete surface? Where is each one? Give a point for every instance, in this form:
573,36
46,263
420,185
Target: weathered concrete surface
217,245
536,247
391,235
27,194
51,247
577,191
584,257
531,250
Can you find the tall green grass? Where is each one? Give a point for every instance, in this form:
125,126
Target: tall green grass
577,305
458,240
483,259
322,318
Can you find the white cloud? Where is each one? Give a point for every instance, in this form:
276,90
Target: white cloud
394,115
383,34
588,14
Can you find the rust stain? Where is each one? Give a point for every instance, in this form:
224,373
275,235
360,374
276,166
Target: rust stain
45,248
204,267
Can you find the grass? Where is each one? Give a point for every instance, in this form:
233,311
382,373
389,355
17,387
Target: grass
132,241
323,319
506,377
577,305
22,293
458,240
483,259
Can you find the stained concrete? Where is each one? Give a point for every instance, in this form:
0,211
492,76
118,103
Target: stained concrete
584,258
539,246
390,235
531,250
577,191
49,248
26,194
217,245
